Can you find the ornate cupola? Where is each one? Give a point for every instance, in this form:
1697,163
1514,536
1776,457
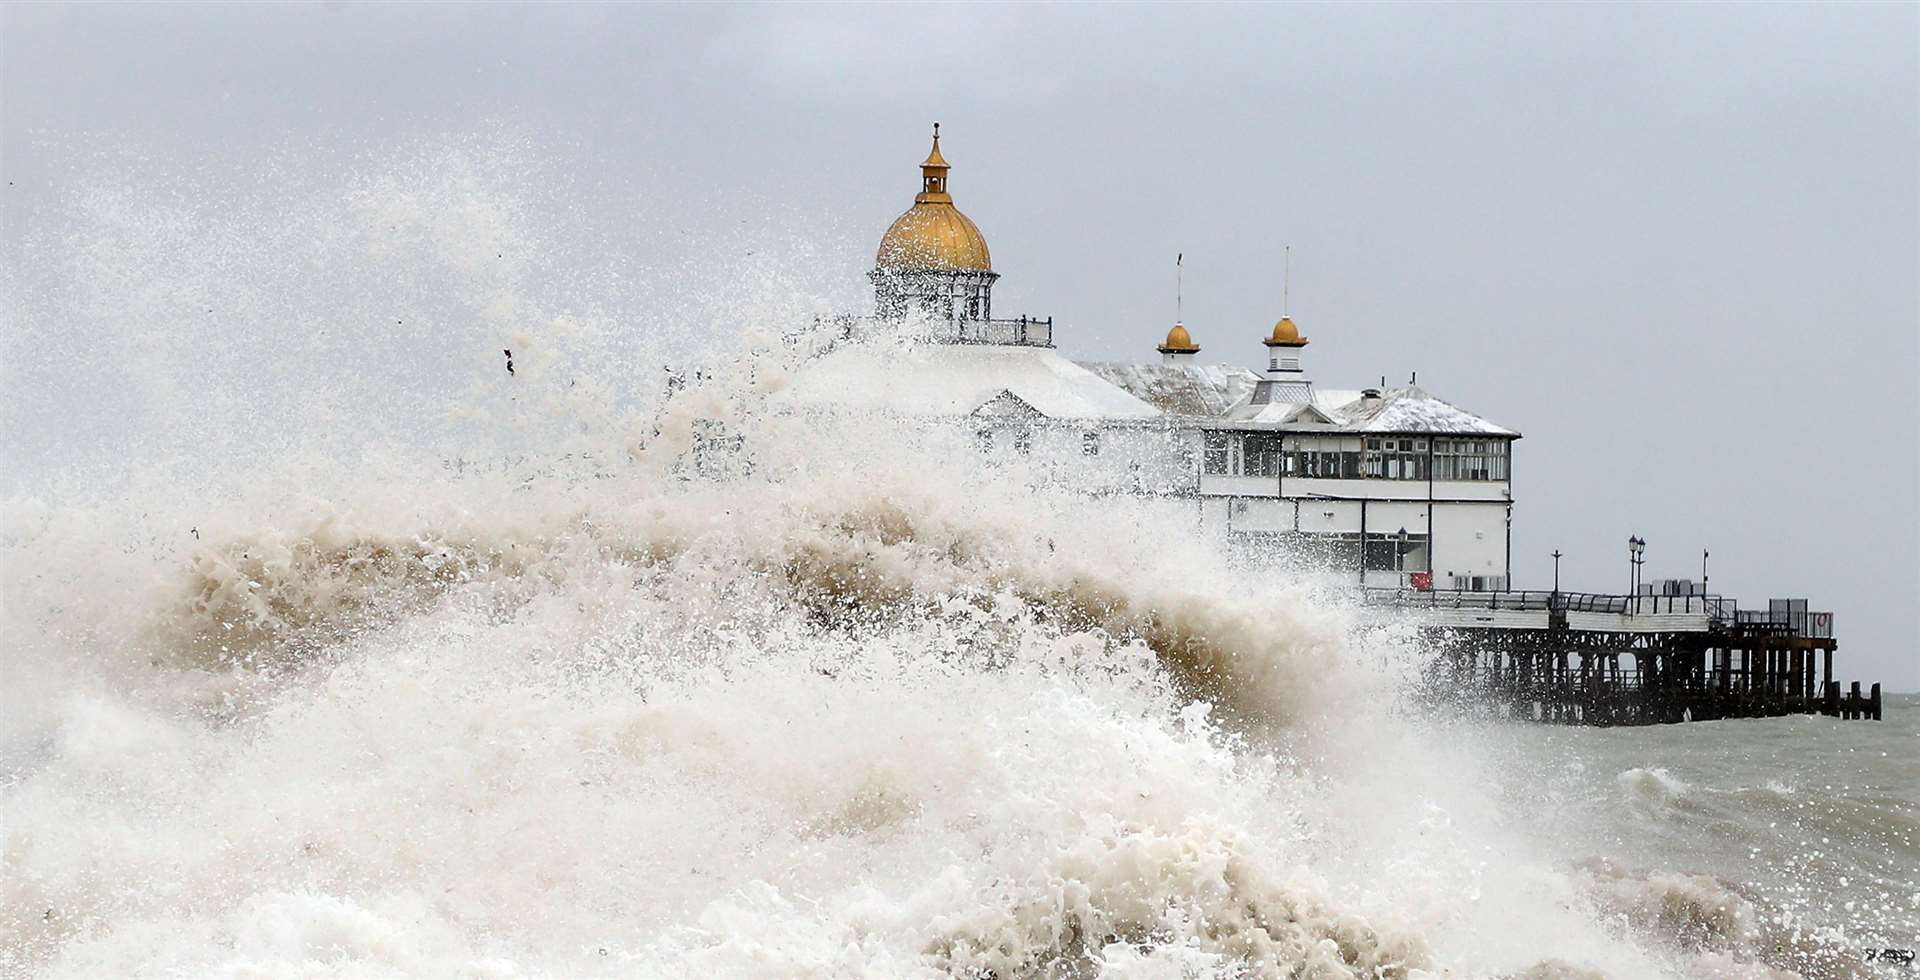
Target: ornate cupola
1179,347
1286,381
933,260
1283,349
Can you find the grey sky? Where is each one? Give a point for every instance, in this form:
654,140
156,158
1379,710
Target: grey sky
1676,246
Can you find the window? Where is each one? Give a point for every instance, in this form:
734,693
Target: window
984,438
1470,459
1216,453
1322,457
1022,442
1263,453
1396,458
1090,443
1402,551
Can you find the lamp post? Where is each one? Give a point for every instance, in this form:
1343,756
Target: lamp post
1556,571
1632,542
1636,547
1703,571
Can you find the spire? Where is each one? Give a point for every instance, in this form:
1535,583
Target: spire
933,175
1286,333
1286,285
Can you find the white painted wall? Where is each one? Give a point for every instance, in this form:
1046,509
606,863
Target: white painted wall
1468,539
1262,514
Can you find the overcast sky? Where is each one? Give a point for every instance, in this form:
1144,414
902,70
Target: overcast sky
1678,247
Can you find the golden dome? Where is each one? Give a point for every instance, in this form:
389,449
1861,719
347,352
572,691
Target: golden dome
1179,341
933,235
1285,334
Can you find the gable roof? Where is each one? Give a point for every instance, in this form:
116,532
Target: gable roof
959,379
1410,409
1004,405
1202,390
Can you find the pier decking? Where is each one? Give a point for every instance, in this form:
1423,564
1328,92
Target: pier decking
1587,659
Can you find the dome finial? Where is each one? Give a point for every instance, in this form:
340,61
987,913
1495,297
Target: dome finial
933,173
934,160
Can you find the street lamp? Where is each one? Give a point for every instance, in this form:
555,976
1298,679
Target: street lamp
1556,571
1636,547
1703,571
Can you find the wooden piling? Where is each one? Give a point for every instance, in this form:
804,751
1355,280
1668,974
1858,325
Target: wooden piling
1576,676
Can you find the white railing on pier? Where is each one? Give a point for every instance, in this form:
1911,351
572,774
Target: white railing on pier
1026,331
1591,610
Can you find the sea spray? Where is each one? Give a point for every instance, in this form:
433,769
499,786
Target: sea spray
563,673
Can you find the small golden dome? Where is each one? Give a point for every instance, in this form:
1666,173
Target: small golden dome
1179,341
1285,334
933,235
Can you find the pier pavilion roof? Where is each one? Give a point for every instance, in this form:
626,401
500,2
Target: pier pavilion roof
964,379
1222,392
1203,390
1409,409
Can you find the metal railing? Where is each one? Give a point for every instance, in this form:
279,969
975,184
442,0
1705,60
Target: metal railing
1460,599
1593,602
1027,331
1024,332
1787,616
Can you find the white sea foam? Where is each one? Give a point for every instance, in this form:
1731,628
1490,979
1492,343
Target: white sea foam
1651,787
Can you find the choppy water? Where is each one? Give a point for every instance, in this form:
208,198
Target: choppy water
869,709
1816,820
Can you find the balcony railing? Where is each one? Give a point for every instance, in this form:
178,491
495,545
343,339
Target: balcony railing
1024,332
1027,331
1786,615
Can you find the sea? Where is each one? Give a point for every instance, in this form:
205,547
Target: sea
592,675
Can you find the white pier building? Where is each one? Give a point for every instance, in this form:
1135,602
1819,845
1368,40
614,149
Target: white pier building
1391,489
1386,487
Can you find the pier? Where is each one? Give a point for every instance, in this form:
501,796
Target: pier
1587,659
